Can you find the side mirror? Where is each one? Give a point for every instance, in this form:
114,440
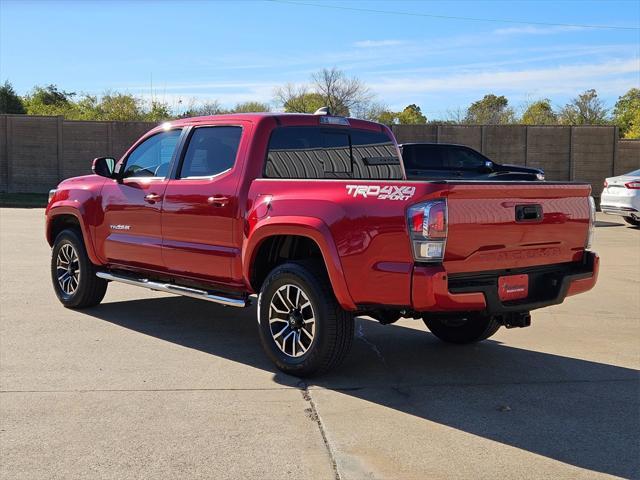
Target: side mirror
487,167
104,166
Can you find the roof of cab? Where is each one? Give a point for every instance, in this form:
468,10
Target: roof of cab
284,118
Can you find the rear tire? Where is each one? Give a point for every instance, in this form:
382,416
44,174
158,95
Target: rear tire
72,273
470,328
632,221
303,329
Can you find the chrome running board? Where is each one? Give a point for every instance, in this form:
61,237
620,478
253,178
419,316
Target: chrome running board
175,289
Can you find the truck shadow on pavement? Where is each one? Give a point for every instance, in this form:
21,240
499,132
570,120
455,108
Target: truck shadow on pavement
574,411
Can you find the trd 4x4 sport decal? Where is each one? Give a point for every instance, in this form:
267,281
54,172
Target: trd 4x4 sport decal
385,192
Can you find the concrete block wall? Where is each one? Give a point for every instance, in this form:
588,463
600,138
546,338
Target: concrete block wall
549,148
505,144
593,155
627,157
37,152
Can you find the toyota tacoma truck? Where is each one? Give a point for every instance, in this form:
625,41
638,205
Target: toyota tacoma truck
315,215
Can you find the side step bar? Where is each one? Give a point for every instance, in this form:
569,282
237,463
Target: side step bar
175,289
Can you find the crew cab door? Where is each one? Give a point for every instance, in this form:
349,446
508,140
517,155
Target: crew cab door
130,231
200,208
465,163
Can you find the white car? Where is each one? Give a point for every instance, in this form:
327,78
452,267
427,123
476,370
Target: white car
621,196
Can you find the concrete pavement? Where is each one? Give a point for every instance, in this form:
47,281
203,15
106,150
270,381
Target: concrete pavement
149,385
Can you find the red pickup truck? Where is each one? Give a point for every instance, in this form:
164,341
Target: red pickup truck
313,213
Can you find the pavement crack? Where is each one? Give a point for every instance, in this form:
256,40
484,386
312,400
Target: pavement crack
312,414
360,334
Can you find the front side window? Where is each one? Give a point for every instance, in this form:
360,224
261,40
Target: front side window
464,159
152,157
211,151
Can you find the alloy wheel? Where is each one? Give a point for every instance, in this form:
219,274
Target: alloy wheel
291,320
68,269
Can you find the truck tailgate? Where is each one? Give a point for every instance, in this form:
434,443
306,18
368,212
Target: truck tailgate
514,225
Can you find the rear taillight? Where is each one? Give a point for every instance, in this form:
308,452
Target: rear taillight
635,185
428,230
592,223
606,184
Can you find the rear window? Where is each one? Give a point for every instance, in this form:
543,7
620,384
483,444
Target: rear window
316,152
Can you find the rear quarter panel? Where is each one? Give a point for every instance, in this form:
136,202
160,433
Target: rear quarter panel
368,233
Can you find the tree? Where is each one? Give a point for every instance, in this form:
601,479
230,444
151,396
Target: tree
411,115
387,117
298,99
491,110
10,102
158,112
250,107
341,93
207,108
49,100
540,112
585,109
626,114
120,107
634,129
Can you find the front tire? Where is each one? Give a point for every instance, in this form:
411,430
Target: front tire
632,221
467,328
303,329
72,273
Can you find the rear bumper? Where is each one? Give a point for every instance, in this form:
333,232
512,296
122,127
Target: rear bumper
436,291
623,211
623,201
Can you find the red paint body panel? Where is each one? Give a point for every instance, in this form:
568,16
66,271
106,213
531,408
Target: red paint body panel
430,293
363,240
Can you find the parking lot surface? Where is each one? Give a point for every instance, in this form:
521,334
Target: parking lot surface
149,385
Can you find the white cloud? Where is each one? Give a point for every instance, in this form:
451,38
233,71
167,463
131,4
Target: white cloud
533,30
611,76
378,43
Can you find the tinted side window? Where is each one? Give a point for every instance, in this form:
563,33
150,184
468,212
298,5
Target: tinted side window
314,152
423,157
464,159
337,156
295,152
374,156
153,156
211,151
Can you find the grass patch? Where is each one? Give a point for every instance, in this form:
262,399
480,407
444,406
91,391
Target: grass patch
23,200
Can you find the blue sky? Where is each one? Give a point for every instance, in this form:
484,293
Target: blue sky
235,51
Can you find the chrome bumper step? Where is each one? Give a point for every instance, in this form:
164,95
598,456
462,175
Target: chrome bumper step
175,289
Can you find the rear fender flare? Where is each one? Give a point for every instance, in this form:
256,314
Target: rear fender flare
310,227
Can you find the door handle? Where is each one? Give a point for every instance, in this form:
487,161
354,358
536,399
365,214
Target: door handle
218,200
152,198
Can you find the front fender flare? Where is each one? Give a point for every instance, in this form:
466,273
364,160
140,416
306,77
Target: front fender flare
310,227
57,211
